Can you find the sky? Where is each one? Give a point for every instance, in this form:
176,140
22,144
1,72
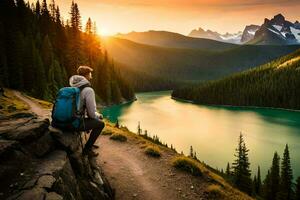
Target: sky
181,16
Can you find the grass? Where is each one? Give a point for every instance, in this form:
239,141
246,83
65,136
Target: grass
187,164
11,105
106,132
42,103
215,192
153,151
118,137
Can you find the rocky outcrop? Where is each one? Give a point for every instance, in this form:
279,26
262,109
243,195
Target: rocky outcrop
38,162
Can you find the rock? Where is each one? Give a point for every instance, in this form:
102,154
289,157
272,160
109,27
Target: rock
29,132
42,146
35,193
46,181
53,196
70,141
6,146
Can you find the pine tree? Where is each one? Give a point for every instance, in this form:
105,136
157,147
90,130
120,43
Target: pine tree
38,8
297,197
139,130
286,178
191,152
267,193
274,177
89,27
241,167
258,185
228,169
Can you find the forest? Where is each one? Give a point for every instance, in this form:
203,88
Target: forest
39,51
275,84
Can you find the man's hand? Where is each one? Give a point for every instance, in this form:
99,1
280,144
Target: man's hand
100,116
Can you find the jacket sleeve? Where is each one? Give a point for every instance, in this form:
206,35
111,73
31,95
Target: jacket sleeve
90,104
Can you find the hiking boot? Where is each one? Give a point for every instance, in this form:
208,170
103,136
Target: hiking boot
88,151
93,154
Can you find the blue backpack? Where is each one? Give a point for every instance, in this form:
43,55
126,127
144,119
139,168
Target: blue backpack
65,112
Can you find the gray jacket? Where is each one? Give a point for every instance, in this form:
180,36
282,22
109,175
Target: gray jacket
87,96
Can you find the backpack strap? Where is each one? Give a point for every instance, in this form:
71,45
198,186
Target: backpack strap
84,86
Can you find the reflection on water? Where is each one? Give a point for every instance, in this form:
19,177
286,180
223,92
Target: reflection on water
213,130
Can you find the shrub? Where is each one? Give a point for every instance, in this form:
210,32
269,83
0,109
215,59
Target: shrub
188,165
214,191
153,151
118,137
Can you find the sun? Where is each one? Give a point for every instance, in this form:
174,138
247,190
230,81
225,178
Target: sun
104,31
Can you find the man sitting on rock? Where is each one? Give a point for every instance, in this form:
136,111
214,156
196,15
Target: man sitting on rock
88,107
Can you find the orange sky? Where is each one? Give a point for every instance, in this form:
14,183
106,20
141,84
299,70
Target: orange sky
180,16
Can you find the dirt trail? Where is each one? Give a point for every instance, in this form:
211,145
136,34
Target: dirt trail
137,176
34,107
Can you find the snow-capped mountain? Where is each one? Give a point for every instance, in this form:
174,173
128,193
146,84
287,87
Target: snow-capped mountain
213,35
277,31
249,32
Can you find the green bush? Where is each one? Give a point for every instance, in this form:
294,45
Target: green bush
188,165
118,137
153,151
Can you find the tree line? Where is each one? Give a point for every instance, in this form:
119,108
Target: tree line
278,183
39,51
275,84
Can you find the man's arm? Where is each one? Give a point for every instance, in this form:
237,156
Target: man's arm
90,103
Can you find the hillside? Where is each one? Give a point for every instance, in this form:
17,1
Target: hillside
275,84
122,157
175,40
190,64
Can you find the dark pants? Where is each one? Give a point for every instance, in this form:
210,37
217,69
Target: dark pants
95,125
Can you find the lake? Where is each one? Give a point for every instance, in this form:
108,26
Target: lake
213,130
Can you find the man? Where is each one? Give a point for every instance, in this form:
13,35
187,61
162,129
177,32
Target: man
88,107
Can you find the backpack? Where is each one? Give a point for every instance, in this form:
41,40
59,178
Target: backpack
65,112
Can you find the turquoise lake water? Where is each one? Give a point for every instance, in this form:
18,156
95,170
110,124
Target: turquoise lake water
213,130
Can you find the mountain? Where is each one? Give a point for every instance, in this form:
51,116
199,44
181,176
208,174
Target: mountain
190,64
277,31
249,32
275,84
174,40
213,35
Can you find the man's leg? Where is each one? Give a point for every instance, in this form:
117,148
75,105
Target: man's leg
96,126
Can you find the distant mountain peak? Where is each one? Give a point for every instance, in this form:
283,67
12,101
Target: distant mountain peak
277,31
214,35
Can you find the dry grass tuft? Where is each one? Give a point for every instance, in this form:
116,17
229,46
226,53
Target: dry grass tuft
187,164
153,151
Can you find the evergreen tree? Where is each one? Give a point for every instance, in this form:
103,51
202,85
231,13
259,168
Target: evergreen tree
228,169
267,193
38,8
297,197
274,177
286,178
191,152
89,27
258,184
241,167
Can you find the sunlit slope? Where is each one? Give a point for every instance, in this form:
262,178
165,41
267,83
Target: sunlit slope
191,64
275,84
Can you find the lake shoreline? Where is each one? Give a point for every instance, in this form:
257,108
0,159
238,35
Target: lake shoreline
232,106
